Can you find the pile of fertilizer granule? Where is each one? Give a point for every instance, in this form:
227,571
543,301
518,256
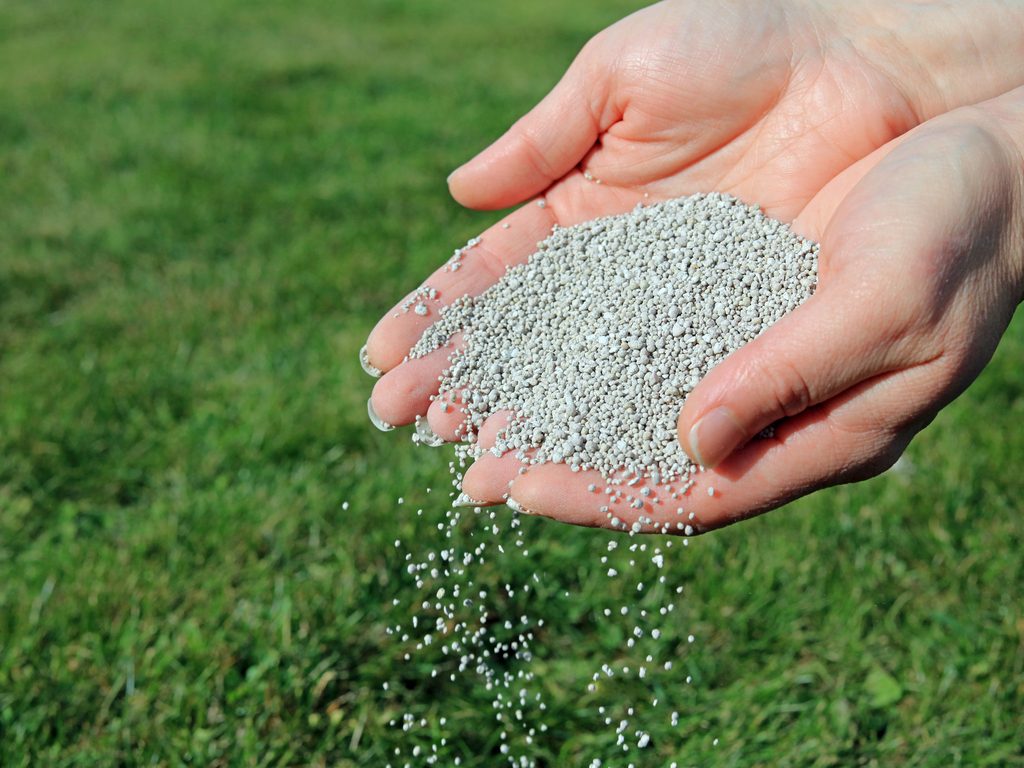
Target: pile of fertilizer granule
595,341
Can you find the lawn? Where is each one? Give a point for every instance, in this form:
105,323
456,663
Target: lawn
205,206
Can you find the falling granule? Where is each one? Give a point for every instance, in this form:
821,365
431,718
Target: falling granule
466,628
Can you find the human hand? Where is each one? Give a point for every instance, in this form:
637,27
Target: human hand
799,109
921,270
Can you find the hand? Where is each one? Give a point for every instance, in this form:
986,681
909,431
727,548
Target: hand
801,102
921,269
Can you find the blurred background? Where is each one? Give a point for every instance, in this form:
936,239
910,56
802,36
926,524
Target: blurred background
204,207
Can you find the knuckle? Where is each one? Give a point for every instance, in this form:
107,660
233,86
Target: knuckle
593,46
787,386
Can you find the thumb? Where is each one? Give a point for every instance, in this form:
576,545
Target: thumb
822,348
541,147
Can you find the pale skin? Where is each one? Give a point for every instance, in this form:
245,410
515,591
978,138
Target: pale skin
890,132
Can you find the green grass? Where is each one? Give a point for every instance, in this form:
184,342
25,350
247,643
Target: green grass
205,206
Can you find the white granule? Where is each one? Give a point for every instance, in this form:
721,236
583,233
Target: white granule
596,340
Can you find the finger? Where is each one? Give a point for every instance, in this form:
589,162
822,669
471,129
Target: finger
405,392
488,433
446,416
589,499
877,251
833,341
540,147
509,242
487,480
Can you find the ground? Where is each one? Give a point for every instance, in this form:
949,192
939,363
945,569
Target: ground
205,206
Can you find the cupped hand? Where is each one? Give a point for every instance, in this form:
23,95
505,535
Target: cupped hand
778,106
920,272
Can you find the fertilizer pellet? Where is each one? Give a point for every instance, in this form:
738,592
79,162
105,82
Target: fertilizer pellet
594,342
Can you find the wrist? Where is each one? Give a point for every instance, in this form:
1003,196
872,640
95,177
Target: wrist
942,54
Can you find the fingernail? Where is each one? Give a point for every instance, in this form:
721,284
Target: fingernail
452,175
376,420
462,500
364,360
715,436
425,435
515,506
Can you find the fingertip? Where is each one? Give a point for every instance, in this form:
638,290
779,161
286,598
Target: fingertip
384,350
713,437
375,419
489,430
380,407
489,478
405,392
481,182
538,150
456,188
489,183
447,417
